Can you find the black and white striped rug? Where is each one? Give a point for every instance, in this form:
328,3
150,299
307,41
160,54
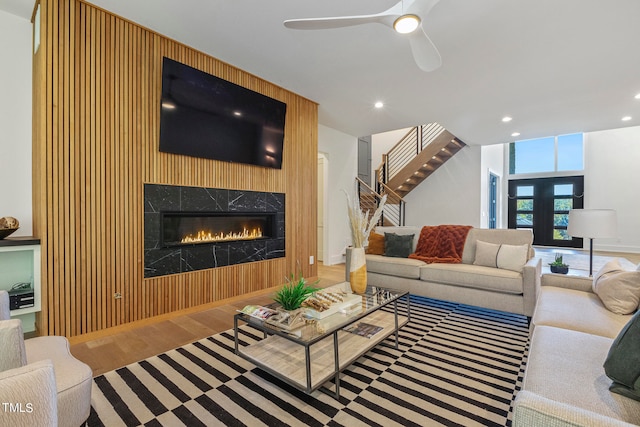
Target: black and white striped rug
457,365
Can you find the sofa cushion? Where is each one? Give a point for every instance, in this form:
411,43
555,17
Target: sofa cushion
376,244
618,289
473,276
497,236
397,245
400,267
402,231
486,254
623,361
566,366
610,266
578,311
513,257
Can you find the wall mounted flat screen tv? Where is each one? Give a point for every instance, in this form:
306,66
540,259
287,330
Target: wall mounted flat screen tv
205,116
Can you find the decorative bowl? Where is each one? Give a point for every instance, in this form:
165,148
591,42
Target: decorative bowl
4,232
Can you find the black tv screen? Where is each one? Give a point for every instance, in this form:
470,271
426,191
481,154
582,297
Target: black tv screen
205,116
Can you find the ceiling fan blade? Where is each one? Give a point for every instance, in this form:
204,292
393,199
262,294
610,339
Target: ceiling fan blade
424,51
334,22
420,7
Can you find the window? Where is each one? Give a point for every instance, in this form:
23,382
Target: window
547,155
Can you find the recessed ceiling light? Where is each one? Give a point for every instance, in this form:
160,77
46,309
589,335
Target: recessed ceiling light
506,119
379,104
237,113
515,134
406,24
168,105
626,118
637,96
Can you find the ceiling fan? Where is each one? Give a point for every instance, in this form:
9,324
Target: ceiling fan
405,17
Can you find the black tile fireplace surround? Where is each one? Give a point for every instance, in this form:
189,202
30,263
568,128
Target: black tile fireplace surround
211,206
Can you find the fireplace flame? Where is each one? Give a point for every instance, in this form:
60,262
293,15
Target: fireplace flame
208,236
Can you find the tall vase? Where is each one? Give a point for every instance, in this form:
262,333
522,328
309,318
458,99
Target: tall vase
358,271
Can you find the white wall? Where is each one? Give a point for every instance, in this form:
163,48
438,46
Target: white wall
612,174
451,195
15,121
492,160
341,152
382,143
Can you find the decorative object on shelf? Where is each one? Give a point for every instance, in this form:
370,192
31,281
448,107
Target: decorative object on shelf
8,225
592,224
287,320
361,225
557,266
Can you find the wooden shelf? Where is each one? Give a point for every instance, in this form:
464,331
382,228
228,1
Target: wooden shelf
20,262
19,241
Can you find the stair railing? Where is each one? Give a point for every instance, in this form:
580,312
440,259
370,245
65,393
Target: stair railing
394,210
416,140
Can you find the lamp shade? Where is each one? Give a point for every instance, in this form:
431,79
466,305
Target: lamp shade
592,223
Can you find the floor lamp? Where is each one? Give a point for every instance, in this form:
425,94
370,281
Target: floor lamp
592,224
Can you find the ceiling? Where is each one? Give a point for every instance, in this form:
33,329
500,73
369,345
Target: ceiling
555,67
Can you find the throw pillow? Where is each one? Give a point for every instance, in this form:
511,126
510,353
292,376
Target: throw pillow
376,244
623,361
618,290
399,246
512,257
609,267
486,254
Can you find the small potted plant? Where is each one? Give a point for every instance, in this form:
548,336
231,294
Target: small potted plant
558,266
290,297
294,292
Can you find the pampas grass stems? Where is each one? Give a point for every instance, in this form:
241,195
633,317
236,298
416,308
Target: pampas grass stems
359,221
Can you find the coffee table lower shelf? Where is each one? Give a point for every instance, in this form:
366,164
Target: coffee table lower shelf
308,367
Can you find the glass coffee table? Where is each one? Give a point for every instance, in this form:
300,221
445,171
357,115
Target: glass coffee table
319,351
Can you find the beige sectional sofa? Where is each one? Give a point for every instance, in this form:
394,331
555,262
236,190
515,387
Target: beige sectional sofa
467,283
565,383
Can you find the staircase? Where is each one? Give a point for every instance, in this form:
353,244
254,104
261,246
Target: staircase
416,156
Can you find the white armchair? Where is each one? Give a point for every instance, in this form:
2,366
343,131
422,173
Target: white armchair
5,312
28,396
72,377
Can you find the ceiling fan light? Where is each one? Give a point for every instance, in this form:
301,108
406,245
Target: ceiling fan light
406,24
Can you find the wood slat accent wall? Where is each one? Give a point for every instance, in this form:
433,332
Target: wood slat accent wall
97,84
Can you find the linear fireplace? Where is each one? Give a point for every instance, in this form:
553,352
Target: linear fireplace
192,228
198,228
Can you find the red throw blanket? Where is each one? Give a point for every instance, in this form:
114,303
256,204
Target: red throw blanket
441,243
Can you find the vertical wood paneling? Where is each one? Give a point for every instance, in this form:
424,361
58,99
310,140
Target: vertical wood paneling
97,84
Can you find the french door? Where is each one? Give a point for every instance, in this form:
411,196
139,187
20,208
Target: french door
543,204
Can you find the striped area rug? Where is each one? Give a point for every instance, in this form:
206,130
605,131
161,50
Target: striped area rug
457,365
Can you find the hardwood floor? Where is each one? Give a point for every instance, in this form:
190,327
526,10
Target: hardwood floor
119,346
115,347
